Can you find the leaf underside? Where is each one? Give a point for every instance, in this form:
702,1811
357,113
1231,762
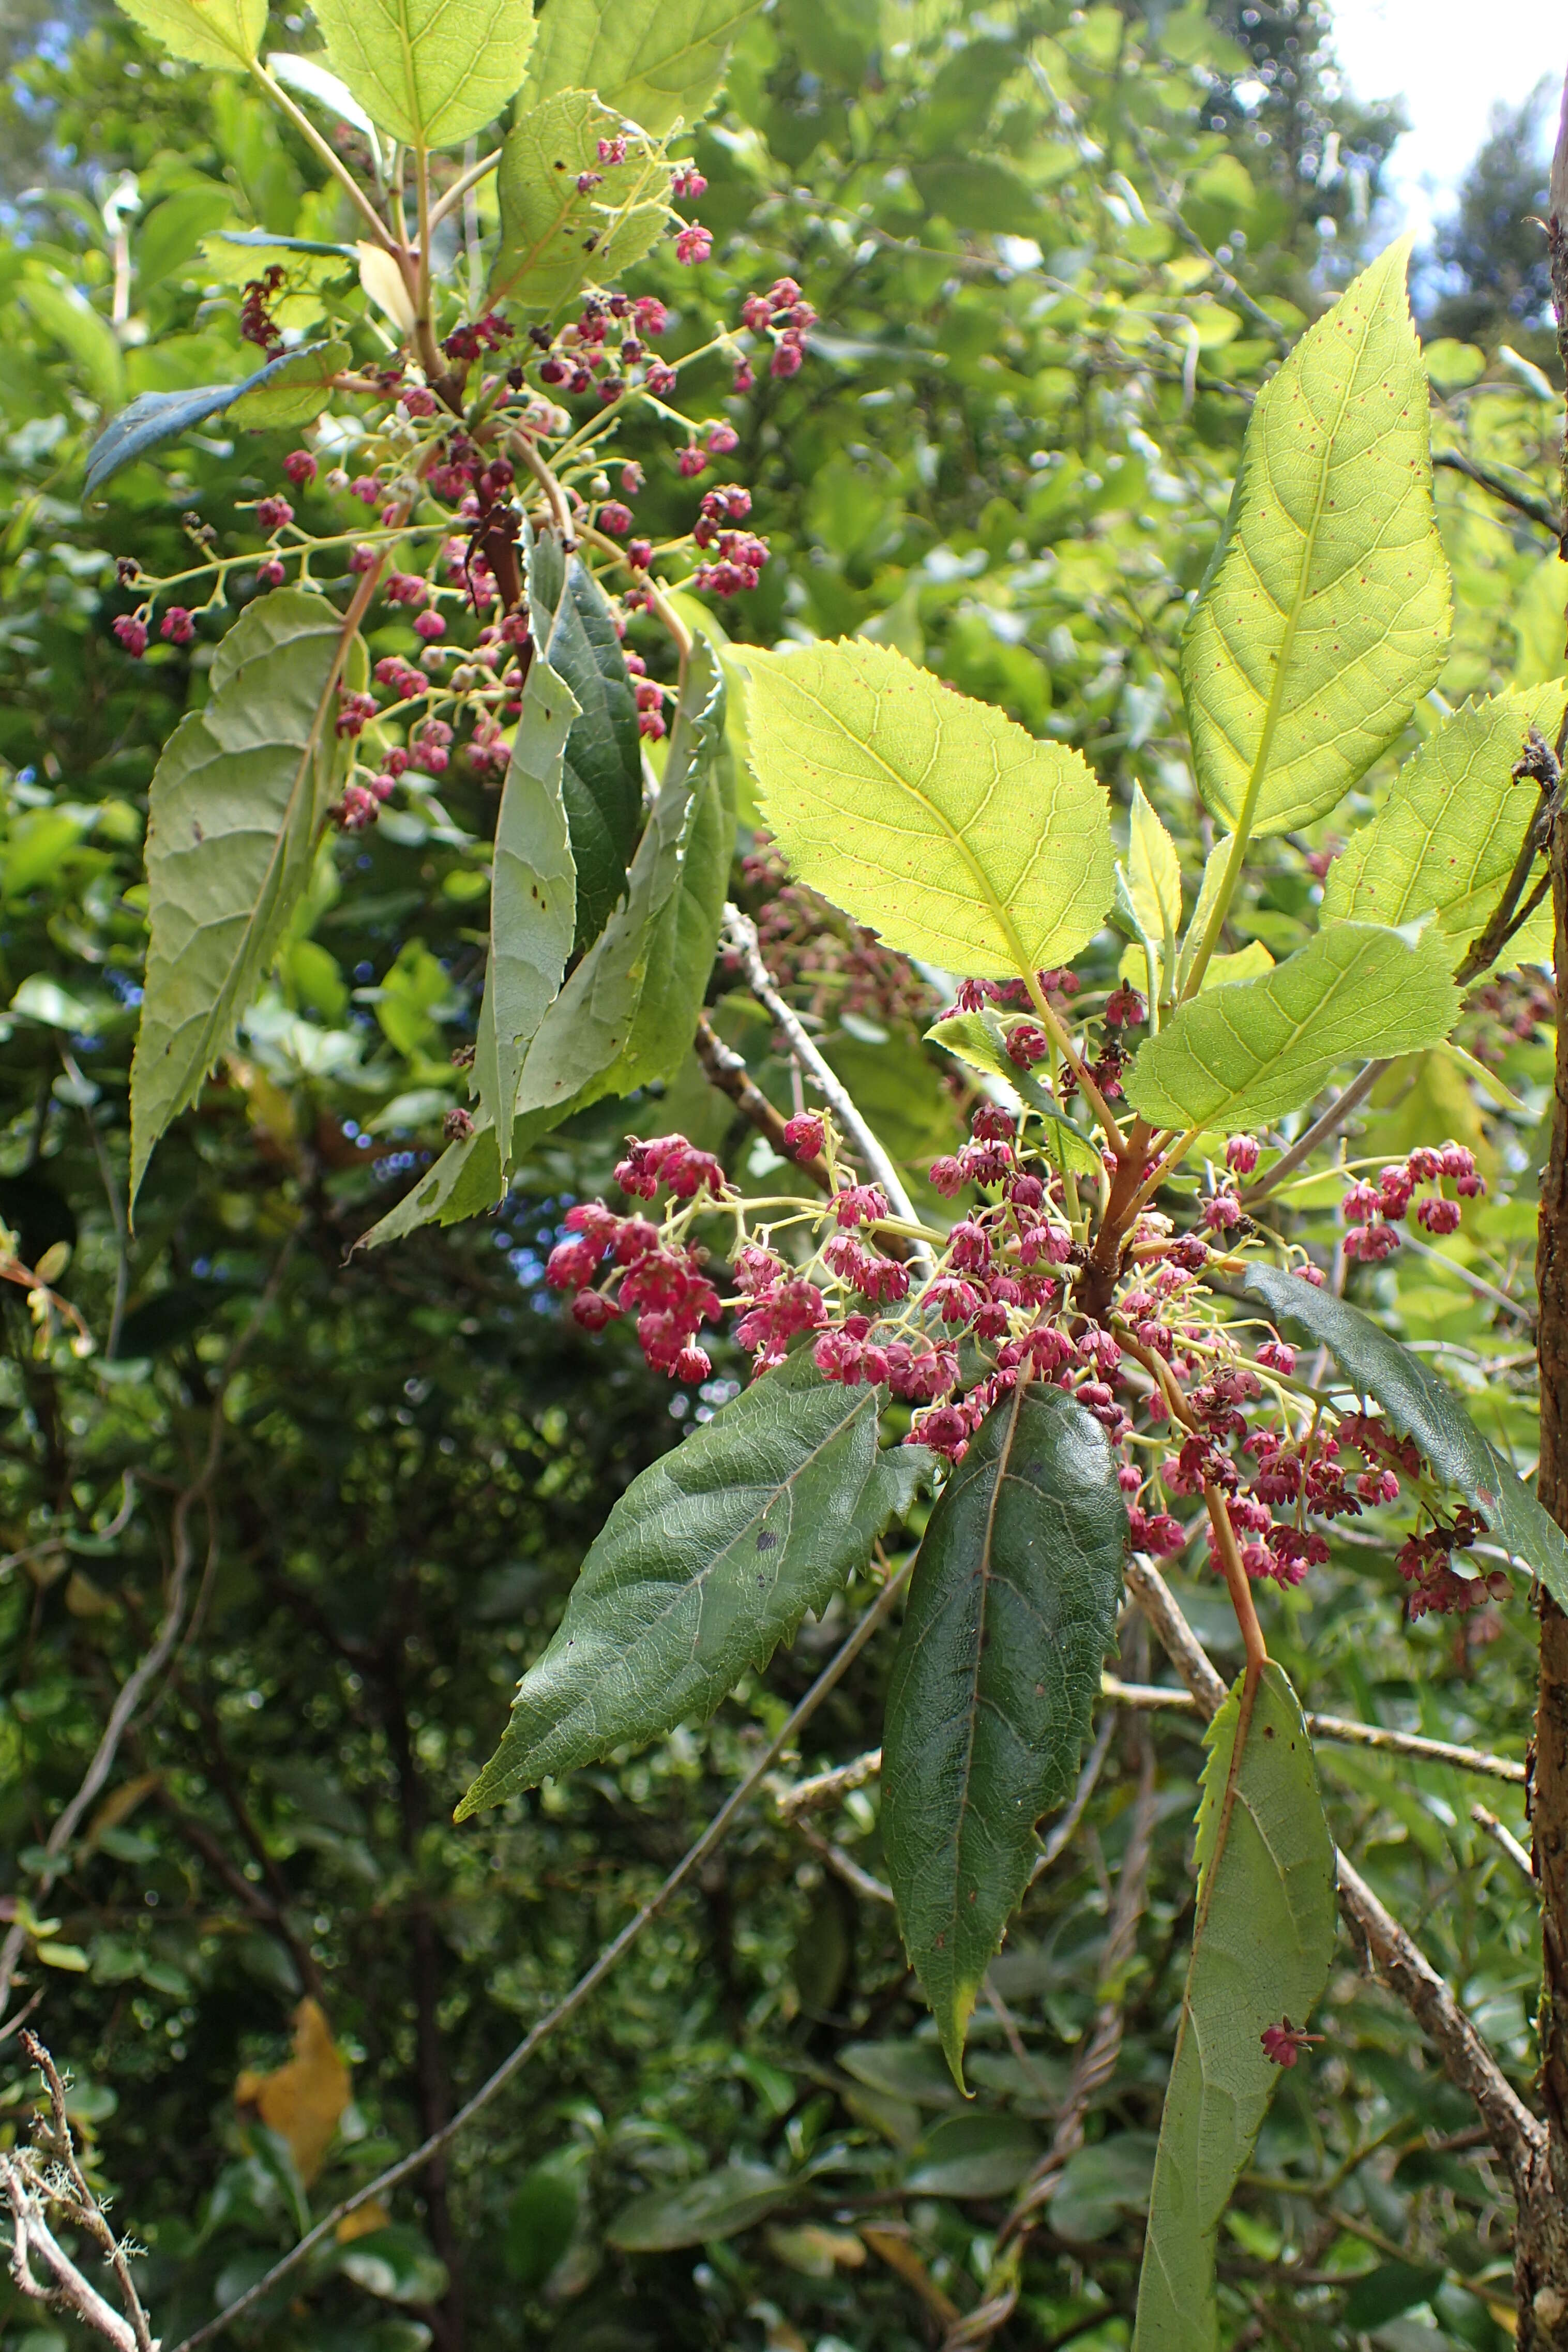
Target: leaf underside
1261,1954
934,819
236,803
1423,1407
1010,1611
707,1562
155,416
1326,612
1258,1048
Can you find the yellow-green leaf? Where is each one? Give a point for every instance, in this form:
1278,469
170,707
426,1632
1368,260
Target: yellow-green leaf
222,33
1326,612
659,61
931,818
1261,1952
1445,840
1153,875
430,73
555,237
1261,1047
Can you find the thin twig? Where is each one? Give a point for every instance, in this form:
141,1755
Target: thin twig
588,1983
1343,1729
1166,202
741,937
1501,1835
844,1865
88,2212
827,1787
1328,1123
1526,501
726,1070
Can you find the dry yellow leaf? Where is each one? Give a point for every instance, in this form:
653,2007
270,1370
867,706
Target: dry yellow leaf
303,2100
119,1804
372,2215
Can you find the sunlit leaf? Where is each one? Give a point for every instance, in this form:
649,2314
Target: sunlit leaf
1326,612
601,777
222,33
658,61
556,237
1261,1047
430,73
931,818
1445,840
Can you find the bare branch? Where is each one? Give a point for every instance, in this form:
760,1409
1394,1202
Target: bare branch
727,1072
588,1983
1326,1123
1343,1729
1501,1835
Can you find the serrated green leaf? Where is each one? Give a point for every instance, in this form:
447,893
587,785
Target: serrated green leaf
1325,614
1258,1048
555,237
1261,1952
1445,840
1423,1407
236,802
430,73
155,416
601,780
534,897
716,2206
599,1036
222,33
931,818
1209,891
465,1181
981,1040
1154,878
659,61
293,390
1010,1611
708,1561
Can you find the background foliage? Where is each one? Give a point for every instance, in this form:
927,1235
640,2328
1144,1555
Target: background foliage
1009,457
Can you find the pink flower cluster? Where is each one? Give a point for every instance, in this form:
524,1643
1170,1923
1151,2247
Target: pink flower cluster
784,314
1373,1212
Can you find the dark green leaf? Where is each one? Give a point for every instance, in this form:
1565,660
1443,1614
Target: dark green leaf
708,1561
540,2217
1423,1407
1261,1952
1011,1612
601,780
1385,2292
155,416
973,2156
717,2206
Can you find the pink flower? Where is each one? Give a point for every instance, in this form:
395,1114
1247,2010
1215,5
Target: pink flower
131,631
694,244
429,625
1284,2042
272,514
177,625
1241,1154
615,519
417,402
861,1204
300,467
270,575
804,1135
690,462
1438,1216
